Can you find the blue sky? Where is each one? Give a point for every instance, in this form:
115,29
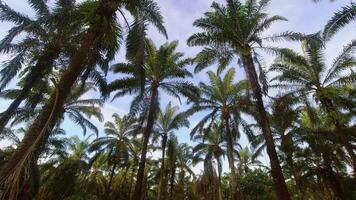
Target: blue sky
303,15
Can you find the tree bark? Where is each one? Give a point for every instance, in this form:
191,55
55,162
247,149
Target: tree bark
160,184
43,66
235,190
276,170
219,168
146,136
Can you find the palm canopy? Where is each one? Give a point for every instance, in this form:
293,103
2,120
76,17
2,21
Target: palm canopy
169,120
51,30
221,97
308,73
164,68
118,144
211,144
234,30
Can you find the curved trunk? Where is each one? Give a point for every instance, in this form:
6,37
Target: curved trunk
276,170
15,172
42,67
146,136
235,190
160,184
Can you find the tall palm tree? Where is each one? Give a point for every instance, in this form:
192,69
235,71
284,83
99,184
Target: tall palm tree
52,32
315,130
309,74
236,31
102,26
118,144
211,147
168,121
164,70
222,98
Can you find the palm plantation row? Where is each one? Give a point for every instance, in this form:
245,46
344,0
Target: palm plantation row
66,51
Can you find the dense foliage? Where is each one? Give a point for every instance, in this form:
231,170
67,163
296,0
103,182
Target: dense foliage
301,109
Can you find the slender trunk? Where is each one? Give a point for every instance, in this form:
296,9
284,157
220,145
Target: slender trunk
171,189
276,170
235,190
291,166
160,184
42,67
296,175
15,173
146,136
333,179
132,179
112,172
219,168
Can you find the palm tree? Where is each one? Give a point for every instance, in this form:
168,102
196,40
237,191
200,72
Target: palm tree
168,120
184,161
102,27
52,32
222,98
164,69
117,145
247,160
211,147
284,121
236,30
60,180
315,130
308,74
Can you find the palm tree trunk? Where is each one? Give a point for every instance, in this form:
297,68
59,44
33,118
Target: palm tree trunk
296,175
171,189
235,190
290,164
146,136
15,172
332,179
42,67
112,172
164,144
276,170
132,179
219,168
